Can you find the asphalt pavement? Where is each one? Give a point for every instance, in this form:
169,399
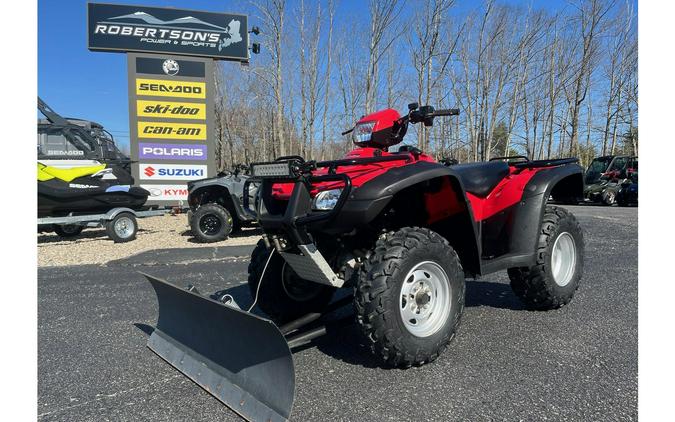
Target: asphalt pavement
577,363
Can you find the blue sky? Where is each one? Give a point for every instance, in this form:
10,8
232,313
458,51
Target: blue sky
93,85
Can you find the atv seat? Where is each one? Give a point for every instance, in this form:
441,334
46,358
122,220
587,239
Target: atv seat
480,178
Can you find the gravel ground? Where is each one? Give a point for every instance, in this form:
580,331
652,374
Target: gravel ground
578,363
93,246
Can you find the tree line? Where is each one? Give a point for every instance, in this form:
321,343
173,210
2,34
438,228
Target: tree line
528,81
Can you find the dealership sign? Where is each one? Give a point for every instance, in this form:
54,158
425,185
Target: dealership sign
117,27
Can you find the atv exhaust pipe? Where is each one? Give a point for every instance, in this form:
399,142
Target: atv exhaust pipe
240,358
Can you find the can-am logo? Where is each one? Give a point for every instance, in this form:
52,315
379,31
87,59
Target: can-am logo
137,28
167,192
172,151
162,130
172,172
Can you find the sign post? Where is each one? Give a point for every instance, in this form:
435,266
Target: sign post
170,65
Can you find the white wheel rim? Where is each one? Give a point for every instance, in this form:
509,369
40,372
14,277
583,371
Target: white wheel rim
563,259
424,300
124,227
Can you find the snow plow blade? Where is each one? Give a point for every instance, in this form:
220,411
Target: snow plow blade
240,358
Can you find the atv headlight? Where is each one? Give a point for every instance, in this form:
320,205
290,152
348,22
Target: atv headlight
326,200
363,132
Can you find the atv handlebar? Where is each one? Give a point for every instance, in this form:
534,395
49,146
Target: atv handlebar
446,112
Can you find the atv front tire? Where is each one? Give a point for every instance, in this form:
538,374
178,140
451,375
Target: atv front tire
410,296
211,223
281,293
551,282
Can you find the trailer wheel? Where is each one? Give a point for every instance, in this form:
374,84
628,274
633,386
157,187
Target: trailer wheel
410,296
122,228
67,230
283,295
211,223
551,282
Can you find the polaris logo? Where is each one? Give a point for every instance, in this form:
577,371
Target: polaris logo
172,172
172,151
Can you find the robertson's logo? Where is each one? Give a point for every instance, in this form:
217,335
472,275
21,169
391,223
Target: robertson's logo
184,31
162,130
164,88
174,110
172,171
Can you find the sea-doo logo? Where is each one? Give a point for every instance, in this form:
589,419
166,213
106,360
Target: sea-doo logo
167,192
169,109
172,151
165,88
134,28
170,67
172,130
172,172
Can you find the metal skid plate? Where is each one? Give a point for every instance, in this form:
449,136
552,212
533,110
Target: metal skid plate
311,265
240,358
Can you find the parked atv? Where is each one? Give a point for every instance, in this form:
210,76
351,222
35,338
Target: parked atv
628,191
605,175
399,230
215,205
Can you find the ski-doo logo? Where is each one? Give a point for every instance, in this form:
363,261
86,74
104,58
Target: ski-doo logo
172,172
167,192
172,151
172,130
174,110
164,88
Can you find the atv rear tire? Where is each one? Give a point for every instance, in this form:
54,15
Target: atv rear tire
410,296
67,230
283,295
551,282
211,223
122,228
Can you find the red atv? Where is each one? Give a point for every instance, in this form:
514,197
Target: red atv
397,228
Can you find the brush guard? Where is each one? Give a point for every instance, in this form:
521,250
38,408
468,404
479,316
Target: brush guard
240,358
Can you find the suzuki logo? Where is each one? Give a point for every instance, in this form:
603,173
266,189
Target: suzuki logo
149,171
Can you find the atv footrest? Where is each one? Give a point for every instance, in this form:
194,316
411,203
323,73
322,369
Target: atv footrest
311,265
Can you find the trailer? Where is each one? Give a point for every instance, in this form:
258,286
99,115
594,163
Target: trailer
120,223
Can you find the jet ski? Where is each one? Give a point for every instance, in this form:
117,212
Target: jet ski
86,190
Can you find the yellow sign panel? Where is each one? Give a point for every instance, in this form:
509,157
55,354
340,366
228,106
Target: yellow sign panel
188,131
167,88
170,109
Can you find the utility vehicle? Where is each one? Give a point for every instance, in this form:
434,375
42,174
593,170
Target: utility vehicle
395,228
605,175
216,205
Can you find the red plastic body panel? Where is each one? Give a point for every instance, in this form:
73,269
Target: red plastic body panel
439,205
383,119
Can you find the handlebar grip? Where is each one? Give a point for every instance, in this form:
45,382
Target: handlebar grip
447,112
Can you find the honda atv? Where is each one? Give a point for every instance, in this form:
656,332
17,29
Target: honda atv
216,205
398,230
